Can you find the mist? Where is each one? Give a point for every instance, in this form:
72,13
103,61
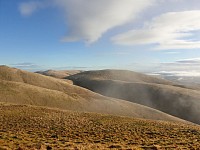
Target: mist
172,99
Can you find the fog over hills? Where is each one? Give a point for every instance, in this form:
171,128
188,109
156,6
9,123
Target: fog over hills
146,90
22,87
181,79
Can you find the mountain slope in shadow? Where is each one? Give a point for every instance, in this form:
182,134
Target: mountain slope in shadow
142,89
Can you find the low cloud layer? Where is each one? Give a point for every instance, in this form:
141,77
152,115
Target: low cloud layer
173,30
27,66
185,68
178,73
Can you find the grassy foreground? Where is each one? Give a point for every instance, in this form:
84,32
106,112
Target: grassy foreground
24,127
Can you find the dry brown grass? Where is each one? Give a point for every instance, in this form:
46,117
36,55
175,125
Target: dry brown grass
24,127
155,93
16,75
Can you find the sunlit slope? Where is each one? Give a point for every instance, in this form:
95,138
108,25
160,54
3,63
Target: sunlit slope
59,73
177,101
25,127
21,87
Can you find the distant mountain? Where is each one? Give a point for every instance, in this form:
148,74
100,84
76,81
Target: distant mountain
61,74
121,75
150,91
21,87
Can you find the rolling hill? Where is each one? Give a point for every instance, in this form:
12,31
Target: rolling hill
21,87
121,75
142,89
60,74
25,127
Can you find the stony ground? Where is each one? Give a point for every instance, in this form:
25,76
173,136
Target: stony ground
24,127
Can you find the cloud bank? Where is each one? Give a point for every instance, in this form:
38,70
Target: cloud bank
184,68
173,30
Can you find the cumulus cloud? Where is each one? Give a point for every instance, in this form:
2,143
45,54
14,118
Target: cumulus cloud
88,20
172,30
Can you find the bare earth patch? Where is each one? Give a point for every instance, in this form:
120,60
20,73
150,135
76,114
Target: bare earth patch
24,127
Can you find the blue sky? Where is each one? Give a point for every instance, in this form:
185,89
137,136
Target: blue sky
141,35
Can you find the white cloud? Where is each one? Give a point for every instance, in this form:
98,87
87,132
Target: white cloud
191,61
184,67
28,8
88,20
172,52
24,64
179,73
173,30
27,66
181,68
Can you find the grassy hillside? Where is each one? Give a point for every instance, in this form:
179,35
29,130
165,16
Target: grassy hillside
22,87
16,75
24,127
59,74
181,102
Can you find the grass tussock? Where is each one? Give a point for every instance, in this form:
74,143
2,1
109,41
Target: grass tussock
24,127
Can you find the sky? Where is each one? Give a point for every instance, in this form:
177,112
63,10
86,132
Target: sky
140,35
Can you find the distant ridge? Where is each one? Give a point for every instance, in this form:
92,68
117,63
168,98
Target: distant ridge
22,87
121,75
61,74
